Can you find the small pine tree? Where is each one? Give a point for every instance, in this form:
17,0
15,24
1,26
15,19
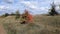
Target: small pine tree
53,10
17,14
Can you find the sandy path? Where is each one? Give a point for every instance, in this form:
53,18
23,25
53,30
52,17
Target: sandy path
2,30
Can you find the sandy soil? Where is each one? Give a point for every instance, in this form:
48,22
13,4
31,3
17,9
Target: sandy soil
2,30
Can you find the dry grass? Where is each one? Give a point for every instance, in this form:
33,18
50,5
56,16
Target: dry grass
41,25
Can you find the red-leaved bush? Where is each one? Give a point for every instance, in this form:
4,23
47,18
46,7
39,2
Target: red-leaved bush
28,17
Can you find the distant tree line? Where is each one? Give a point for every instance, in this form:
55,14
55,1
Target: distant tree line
12,14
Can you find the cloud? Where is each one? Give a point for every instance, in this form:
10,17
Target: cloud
57,1
29,4
7,8
34,6
38,7
2,7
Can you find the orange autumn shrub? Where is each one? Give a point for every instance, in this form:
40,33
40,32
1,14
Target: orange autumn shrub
28,17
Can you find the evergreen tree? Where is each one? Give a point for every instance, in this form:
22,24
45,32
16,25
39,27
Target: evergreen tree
17,14
53,10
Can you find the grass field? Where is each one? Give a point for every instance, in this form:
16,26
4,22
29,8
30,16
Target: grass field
41,25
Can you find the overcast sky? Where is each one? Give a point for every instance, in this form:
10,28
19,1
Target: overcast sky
34,6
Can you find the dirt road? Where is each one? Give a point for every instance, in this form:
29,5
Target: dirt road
2,30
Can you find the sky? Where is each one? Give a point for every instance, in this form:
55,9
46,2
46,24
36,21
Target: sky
33,6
